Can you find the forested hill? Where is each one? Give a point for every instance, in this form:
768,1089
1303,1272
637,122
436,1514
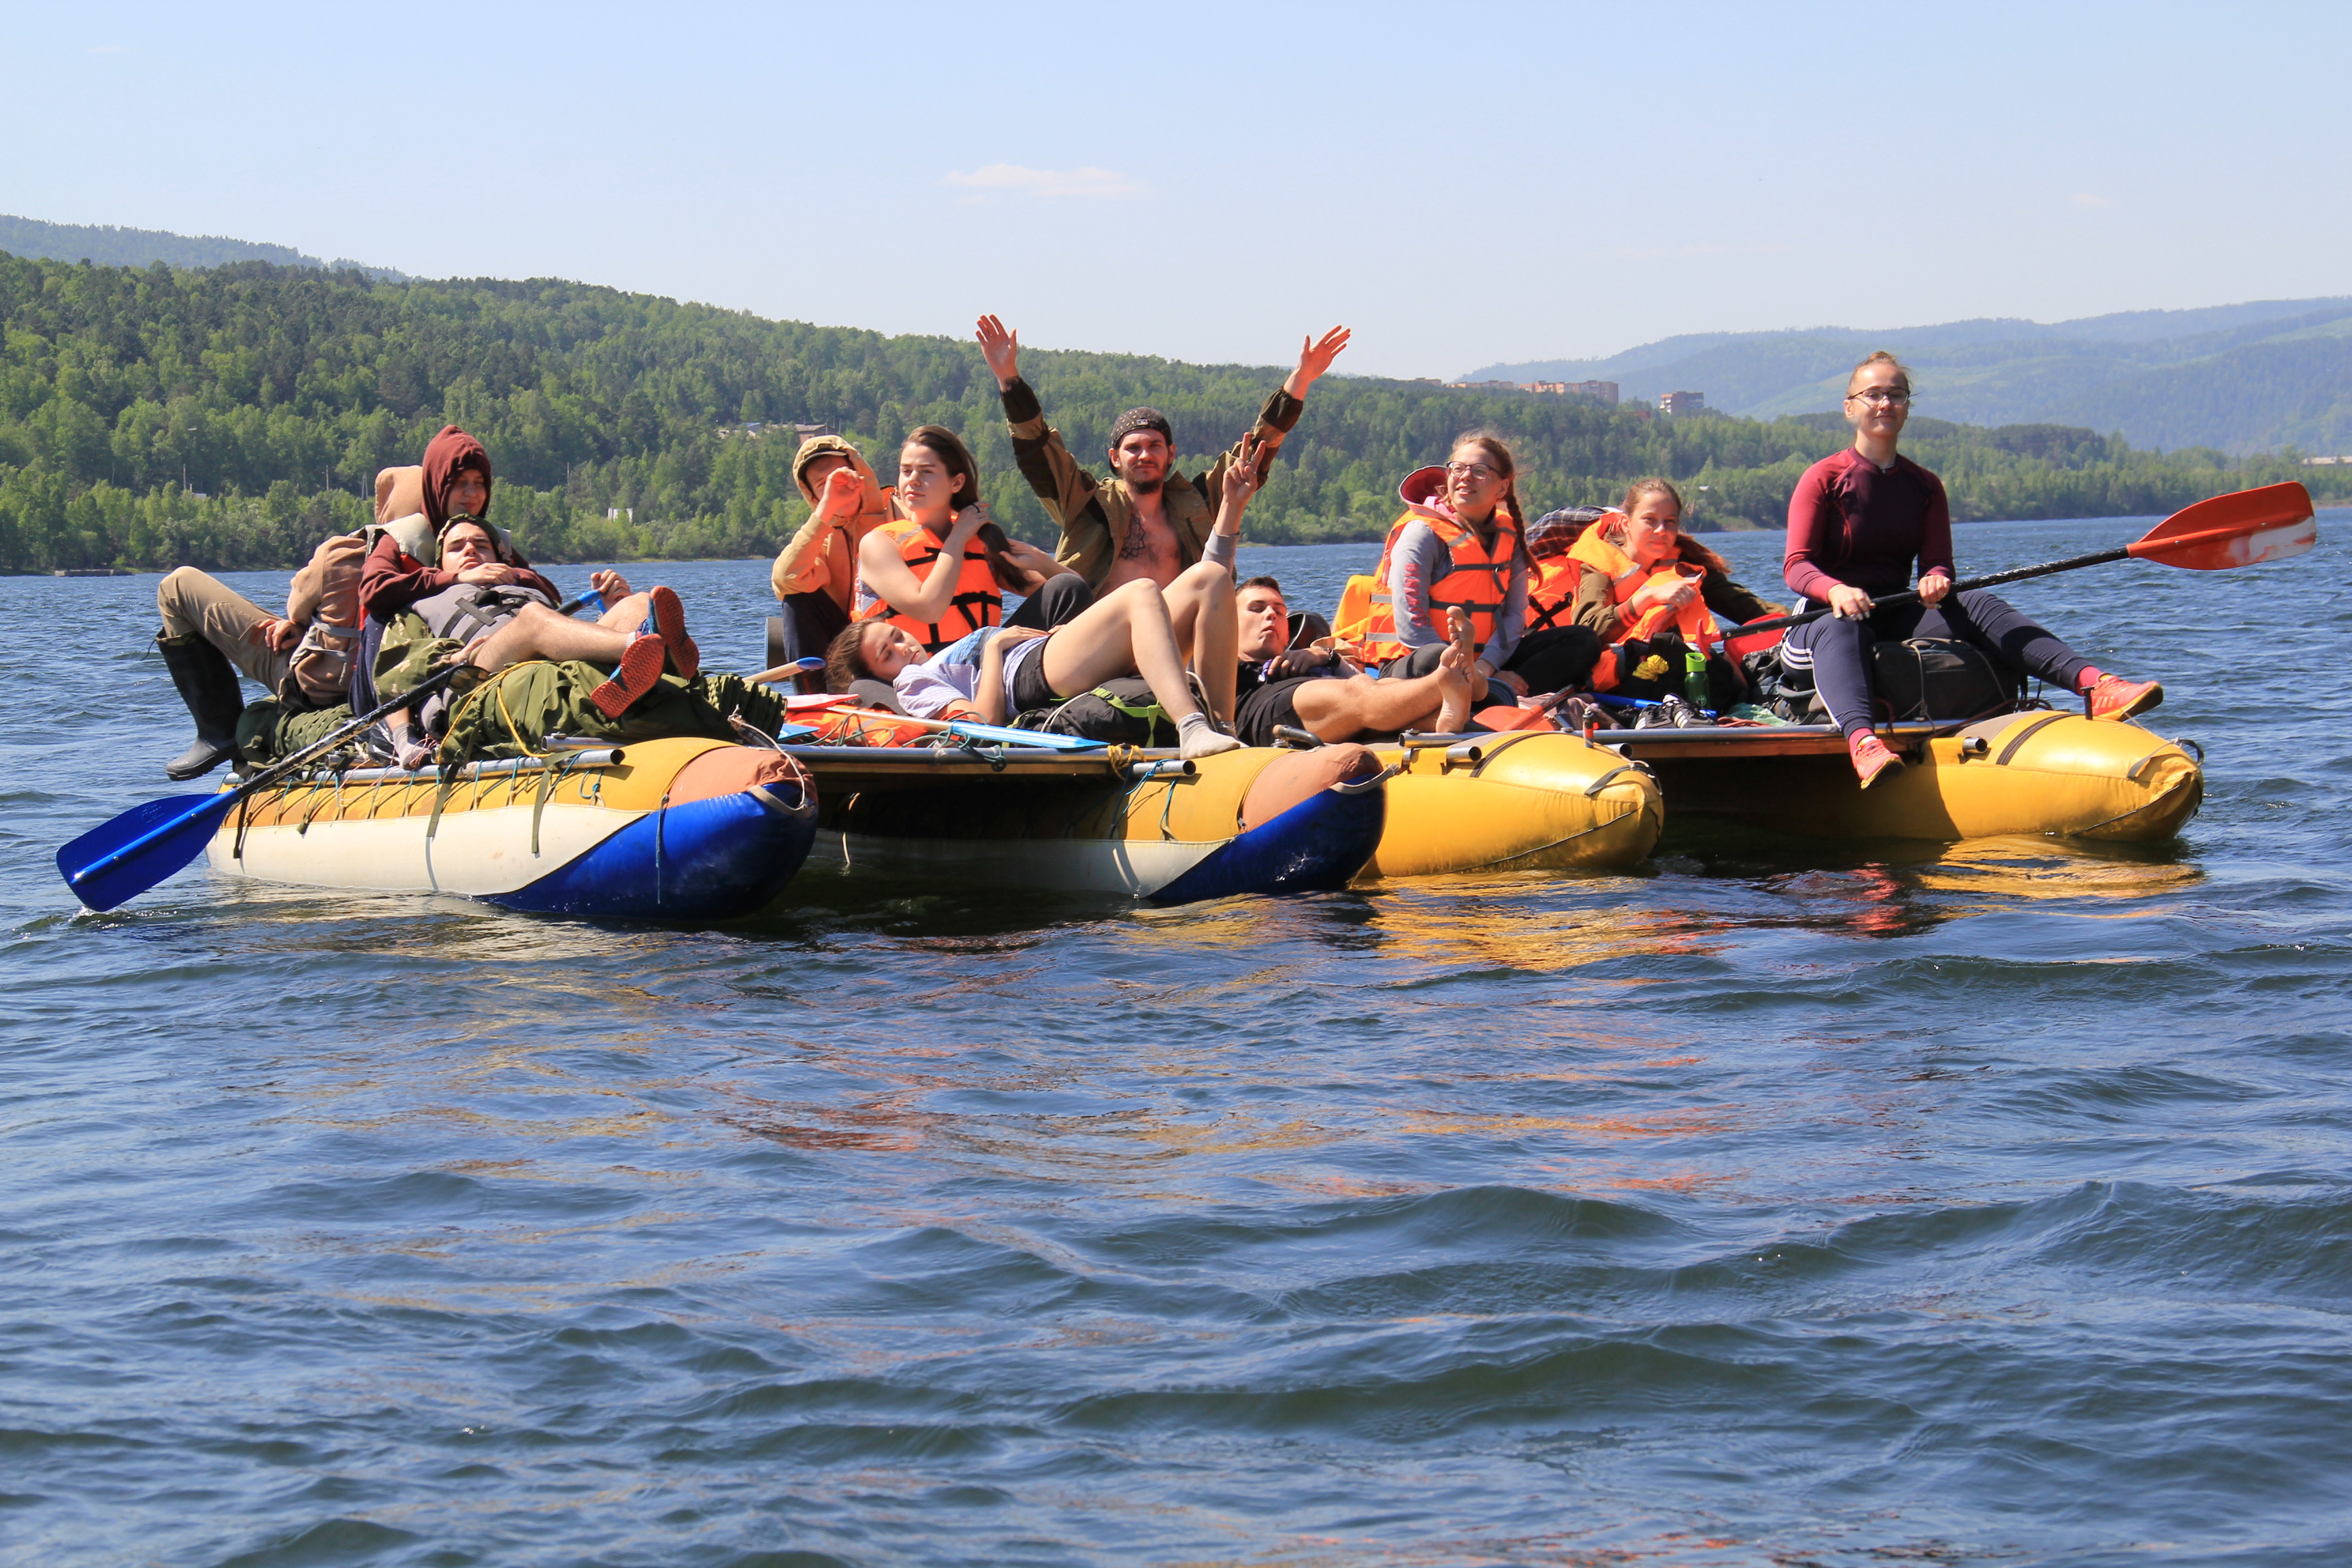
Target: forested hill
228,418
112,247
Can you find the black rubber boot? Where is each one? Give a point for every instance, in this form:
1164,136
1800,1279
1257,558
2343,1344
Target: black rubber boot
208,685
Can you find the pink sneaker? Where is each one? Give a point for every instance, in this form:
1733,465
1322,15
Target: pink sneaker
2116,698
1872,760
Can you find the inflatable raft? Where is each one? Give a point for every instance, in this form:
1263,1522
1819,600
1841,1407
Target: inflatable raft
1527,801
672,829
898,800
2032,773
1523,800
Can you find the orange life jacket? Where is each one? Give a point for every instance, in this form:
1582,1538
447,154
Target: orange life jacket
1551,591
978,601
1626,578
1477,577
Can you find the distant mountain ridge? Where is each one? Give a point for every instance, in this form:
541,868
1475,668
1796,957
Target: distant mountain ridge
2244,378
110,246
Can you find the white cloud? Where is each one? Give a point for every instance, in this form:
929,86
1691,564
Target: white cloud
1014,178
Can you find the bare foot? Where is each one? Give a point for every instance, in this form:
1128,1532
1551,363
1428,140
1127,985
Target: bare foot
1461,653
1454,701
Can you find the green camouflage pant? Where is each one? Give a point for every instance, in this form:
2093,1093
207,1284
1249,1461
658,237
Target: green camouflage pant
513,713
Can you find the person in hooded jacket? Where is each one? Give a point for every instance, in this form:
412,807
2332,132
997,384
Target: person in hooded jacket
479,600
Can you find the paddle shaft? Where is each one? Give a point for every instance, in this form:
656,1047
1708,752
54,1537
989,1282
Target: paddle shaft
1993,579
973,729
220,804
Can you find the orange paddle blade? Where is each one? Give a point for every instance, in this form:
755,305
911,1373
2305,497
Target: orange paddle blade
2238,529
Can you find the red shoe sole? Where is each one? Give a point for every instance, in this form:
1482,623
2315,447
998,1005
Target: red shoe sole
641,667
669,625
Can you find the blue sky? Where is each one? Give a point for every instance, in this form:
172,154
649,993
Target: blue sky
1461,184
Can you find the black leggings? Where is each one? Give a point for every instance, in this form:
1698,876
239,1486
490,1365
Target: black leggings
1838,652
1062,599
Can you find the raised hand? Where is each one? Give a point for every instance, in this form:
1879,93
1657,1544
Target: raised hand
1315,357
969,520
1002,350
843,489
612,585
1242,475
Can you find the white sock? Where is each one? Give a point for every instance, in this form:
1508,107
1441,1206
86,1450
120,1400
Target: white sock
1196,736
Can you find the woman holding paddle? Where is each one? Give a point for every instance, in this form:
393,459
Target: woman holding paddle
1857,523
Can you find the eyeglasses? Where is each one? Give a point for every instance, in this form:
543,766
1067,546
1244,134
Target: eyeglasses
1470,471
1879,397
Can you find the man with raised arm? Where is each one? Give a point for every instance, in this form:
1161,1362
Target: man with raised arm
1147,520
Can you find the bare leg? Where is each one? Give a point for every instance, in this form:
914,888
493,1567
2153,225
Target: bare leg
1125,632
1343,709
629,613
1208,632
537,632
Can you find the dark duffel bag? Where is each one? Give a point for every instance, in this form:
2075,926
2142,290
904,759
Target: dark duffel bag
1929,678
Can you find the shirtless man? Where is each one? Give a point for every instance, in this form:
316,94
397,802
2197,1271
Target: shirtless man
1148,522
1324,690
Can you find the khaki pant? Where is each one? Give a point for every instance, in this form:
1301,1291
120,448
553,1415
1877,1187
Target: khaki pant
194,602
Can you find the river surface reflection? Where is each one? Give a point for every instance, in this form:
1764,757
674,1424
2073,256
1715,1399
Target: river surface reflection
1772,1203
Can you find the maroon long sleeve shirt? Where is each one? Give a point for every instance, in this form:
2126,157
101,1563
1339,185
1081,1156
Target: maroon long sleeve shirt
1851,522
392,580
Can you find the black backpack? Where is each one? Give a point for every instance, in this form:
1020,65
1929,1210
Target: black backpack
1121,712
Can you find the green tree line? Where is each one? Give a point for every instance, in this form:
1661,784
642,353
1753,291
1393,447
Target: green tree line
227,418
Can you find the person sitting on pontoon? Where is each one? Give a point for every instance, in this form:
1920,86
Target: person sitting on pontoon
211,634
1323,689
940,569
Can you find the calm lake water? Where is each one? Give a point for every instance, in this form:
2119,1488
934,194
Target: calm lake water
1774,1203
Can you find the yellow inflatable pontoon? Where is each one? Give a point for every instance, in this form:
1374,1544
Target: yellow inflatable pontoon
1523,800
2031,773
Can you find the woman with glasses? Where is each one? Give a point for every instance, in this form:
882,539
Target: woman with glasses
1461,544
1857,523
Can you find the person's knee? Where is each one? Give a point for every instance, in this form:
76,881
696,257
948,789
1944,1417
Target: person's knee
1140,596
174,595
1205,578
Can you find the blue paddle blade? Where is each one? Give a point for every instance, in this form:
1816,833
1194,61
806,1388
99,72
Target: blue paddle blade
1025,737
121,859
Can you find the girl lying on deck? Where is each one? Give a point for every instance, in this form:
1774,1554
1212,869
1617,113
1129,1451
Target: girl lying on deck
999,673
